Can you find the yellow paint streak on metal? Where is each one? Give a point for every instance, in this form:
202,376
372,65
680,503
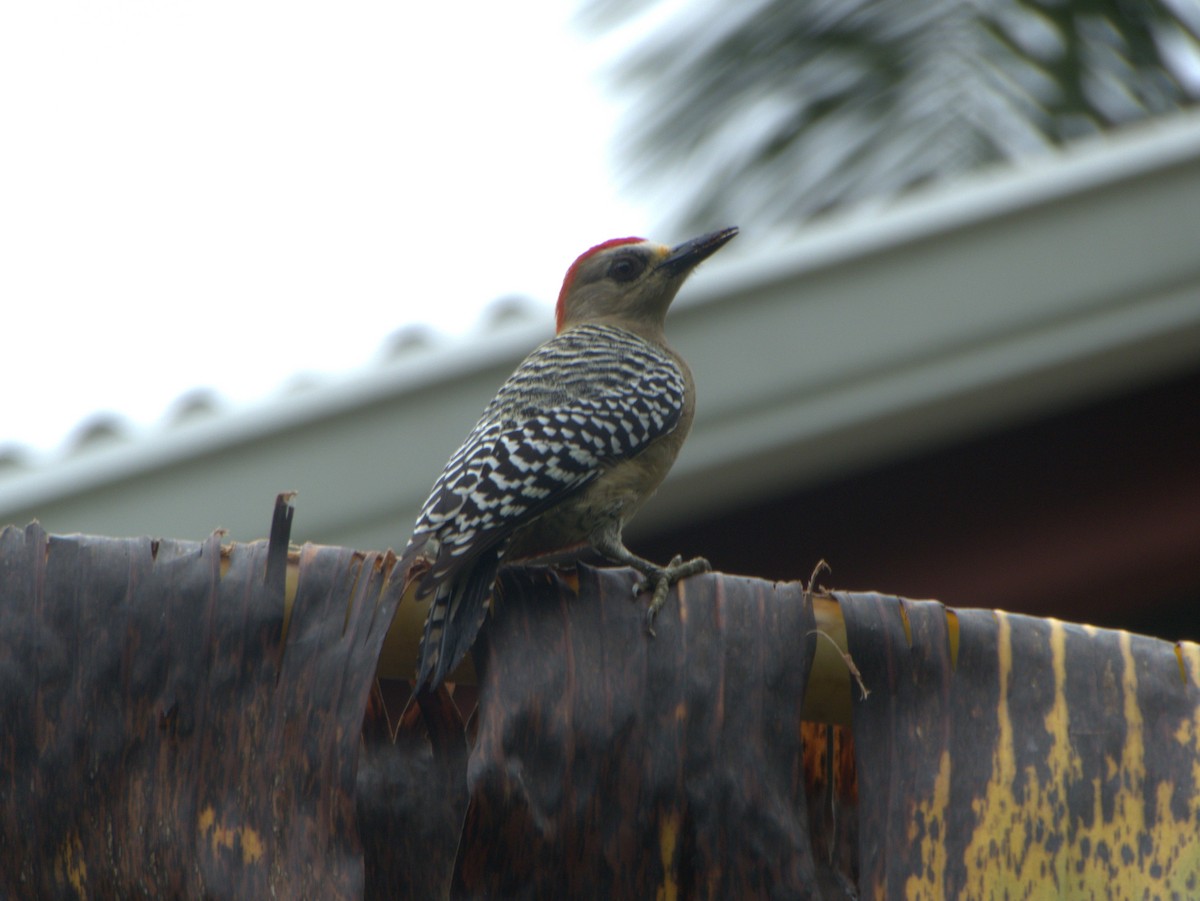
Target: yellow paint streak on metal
995,811
1062,760
229,837
222,837
252,845
69,865
1188,733
668,838
1027,846
931,883
952,636
1129,813
1172,866
1123,874
1032,866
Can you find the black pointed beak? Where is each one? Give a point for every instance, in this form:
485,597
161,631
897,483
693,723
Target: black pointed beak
688,255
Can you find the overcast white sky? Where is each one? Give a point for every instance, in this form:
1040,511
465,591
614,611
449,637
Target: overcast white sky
196,194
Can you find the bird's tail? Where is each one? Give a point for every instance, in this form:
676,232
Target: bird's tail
460,603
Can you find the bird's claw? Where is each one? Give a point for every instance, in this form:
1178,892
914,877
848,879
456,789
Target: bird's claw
661,586
661,579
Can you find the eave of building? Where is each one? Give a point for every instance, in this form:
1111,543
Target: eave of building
948,314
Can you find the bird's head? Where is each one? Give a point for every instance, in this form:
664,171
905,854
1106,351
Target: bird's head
631,281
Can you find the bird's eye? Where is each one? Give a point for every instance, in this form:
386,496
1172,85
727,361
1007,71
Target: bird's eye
626,268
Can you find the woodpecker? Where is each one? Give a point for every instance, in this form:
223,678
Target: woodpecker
573,444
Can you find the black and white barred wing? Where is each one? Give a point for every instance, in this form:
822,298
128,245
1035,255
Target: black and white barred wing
587,398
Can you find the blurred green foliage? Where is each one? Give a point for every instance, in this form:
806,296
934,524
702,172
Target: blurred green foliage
779,110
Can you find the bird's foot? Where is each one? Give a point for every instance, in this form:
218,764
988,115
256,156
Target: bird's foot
661,578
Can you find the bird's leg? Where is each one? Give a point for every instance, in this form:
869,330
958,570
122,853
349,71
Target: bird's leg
608,543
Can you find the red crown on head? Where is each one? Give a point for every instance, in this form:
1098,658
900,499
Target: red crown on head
560,309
